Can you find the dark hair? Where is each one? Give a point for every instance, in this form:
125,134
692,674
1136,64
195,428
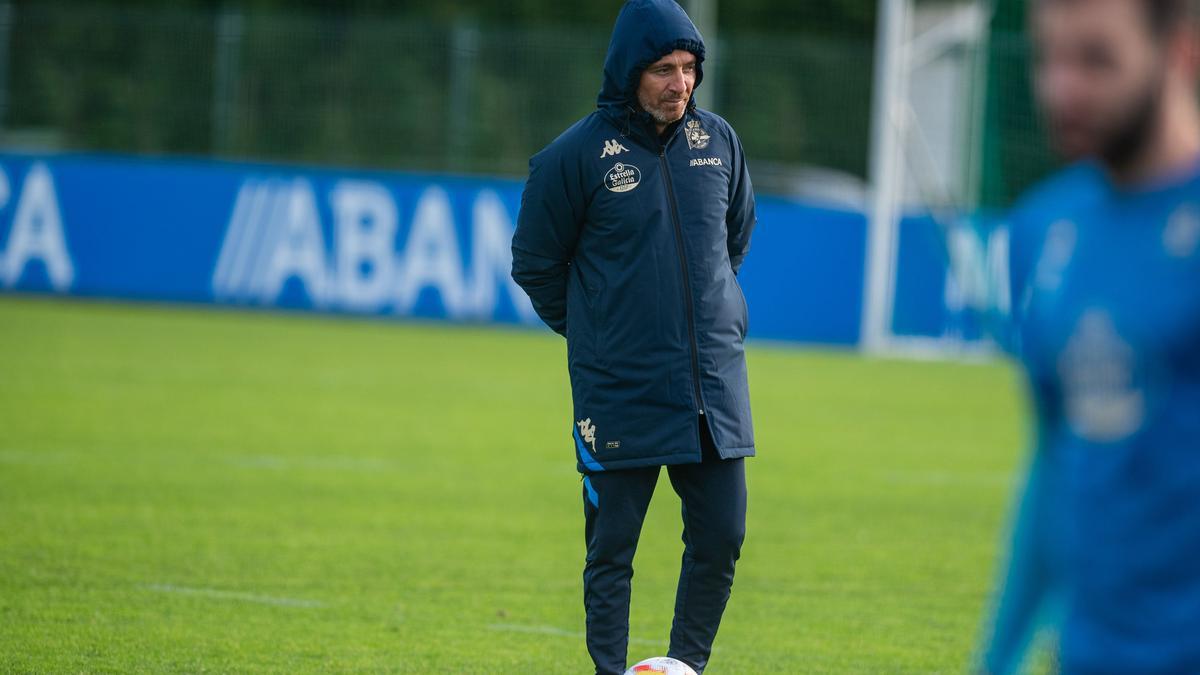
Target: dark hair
1162,16
1165,15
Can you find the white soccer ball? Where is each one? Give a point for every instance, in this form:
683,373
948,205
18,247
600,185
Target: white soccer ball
661,664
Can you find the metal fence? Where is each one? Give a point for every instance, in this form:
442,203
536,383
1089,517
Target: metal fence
381,91
1015,147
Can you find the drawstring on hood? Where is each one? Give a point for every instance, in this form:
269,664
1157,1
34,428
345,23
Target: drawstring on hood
645,31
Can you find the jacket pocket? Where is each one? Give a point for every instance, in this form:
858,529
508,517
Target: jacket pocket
745,307
594,296
584,319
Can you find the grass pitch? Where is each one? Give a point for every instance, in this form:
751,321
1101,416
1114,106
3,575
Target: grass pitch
189,490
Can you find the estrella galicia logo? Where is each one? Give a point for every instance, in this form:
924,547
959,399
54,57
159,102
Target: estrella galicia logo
622,177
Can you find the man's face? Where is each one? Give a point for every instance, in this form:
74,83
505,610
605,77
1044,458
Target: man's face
1099,76
666,86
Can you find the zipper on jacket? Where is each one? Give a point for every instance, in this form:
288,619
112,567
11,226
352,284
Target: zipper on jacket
683,269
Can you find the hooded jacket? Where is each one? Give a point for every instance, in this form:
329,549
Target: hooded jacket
628,244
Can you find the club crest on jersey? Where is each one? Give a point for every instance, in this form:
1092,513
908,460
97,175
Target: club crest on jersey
612,147
622,177
1105,402
697,137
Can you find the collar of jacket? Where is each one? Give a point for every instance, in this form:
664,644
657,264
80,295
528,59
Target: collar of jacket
638,126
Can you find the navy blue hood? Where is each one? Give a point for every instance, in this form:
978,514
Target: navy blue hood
646,31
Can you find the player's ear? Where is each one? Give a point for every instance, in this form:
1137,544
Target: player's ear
1185,49
1192,50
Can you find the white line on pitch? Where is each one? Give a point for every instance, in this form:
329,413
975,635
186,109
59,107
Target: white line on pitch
232,595
321,463
951,478
560,632
29,457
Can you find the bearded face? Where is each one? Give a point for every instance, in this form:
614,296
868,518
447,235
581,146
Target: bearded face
666,87
1100,75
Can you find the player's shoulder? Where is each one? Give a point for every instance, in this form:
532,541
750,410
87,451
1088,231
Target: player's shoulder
1064,194
1067,195
711,121
1191,185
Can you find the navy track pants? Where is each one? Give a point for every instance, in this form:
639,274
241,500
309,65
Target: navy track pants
713,494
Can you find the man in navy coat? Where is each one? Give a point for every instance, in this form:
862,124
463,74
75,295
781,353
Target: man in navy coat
633,225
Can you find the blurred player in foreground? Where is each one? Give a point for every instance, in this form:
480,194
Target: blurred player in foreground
1106,294
633,225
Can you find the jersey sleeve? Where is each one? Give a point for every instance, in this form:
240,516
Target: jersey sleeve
1031,586
1025,580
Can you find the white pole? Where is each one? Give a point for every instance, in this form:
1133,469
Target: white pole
887,147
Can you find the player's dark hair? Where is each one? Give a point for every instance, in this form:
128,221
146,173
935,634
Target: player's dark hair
1166,15
1162,16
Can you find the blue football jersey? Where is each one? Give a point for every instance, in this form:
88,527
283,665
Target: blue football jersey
1106,322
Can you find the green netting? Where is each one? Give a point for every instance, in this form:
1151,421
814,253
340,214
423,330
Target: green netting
375,90
1015,151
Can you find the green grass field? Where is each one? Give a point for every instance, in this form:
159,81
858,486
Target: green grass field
187,490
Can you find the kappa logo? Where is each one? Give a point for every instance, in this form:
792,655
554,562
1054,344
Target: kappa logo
697,137
587,431
622,177
1181,238
1057,251
612,147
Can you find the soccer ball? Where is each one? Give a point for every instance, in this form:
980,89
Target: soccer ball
661,664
